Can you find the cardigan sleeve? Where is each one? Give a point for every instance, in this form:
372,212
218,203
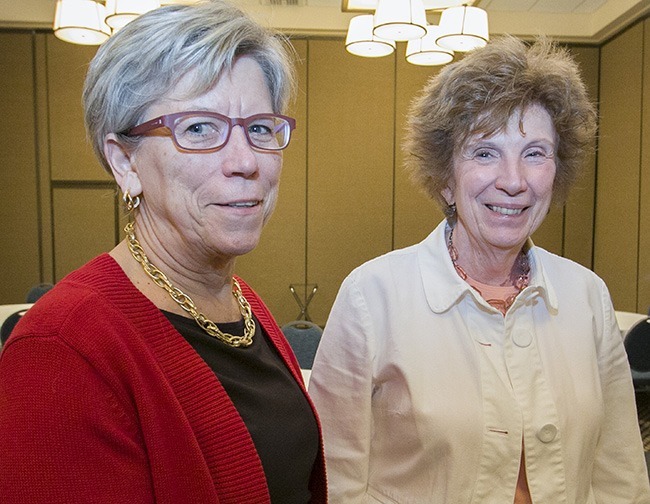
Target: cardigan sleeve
341,387
619,474
64,435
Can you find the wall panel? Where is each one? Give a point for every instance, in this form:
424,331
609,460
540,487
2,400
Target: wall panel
350,162
279,259
72,157
643,301
579,210
416,214
617,193
19,253
43,157
83,225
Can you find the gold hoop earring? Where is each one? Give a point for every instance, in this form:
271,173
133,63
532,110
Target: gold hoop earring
130,203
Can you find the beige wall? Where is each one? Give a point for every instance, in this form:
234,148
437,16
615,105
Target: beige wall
622,217
344,197
20,190
643,272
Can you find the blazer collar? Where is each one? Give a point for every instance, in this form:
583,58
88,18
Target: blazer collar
444,288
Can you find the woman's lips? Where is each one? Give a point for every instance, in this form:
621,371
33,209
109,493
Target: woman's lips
504,210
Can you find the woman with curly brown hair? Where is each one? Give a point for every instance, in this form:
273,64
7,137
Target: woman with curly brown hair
475,367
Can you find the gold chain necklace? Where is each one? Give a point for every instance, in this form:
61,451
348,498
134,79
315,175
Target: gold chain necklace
185,302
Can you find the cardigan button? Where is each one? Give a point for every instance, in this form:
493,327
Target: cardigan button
522,338
547,433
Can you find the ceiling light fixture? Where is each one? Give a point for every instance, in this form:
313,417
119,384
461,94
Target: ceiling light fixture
360,40
426,51
120,12
81,22
400,20
90,22
462,27
369,6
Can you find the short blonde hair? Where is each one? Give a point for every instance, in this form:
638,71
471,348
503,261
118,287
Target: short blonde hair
478,95
143,62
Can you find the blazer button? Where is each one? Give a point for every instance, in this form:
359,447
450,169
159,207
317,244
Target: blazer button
522,338
547,433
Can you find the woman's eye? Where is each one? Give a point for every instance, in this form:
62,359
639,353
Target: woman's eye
201,128
259,129
483,154
200,132
537,155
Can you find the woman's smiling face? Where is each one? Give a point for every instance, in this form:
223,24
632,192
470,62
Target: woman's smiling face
212,203
503,184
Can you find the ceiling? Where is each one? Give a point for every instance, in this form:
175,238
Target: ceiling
585,21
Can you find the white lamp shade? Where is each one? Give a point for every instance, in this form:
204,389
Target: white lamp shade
463,28
81,22
360,40
371,5
121,12
400,19
426,51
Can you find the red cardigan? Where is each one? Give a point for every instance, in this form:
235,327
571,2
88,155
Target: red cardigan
103,401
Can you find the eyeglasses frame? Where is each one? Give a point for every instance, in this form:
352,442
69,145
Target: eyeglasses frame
169,121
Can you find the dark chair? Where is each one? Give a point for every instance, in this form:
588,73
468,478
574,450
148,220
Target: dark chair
637,346
304,337
37,291
11,314
9,317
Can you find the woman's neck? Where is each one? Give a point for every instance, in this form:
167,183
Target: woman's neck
211,291
487,265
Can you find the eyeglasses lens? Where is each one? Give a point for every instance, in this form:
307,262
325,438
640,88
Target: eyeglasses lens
203,132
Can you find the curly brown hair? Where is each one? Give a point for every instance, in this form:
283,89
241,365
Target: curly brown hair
478,94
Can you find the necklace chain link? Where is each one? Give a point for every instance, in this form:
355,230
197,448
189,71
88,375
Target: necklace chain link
185,301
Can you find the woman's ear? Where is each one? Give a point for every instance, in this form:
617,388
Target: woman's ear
121,161
448,194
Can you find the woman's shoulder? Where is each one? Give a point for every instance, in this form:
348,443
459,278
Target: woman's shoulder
555,262
385,265
564,272
403,261
87,297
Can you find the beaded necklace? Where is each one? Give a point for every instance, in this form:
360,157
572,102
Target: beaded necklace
520,282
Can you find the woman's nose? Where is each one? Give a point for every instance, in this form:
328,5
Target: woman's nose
238,155
512,176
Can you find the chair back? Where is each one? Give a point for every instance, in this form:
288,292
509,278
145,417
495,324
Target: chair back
637,346
9,316
304,337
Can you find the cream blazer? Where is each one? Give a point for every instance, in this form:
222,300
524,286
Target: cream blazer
426,392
